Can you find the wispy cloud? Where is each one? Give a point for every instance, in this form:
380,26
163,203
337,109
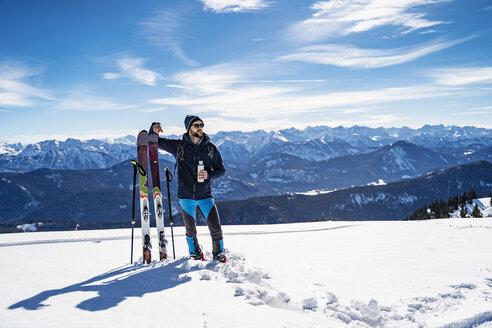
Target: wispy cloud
234,6
90,103
81,134
483,108
165,31
332,18
133,68
463,76
428,31
152,110
224,78
208,80
221,93
477,111
14,91
216,124
349,56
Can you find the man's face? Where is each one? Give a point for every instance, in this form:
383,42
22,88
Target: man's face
196,129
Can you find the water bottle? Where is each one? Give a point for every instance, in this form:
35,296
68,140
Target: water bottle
200,168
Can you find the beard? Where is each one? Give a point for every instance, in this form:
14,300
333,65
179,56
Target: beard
198,134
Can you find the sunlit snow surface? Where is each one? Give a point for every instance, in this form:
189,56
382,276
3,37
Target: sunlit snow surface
435,273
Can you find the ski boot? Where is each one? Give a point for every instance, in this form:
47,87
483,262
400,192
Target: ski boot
218,248
198,256
221,257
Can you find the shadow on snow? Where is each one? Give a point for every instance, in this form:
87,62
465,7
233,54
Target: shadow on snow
124,282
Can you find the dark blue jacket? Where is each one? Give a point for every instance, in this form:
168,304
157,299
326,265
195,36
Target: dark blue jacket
188,187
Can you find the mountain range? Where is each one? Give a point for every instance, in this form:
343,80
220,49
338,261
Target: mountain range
91,181
393,201
312,144
102,201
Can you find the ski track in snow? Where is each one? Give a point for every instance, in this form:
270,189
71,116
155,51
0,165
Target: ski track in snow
137,236
257,287
251,285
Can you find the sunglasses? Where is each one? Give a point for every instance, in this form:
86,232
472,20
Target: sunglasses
198,125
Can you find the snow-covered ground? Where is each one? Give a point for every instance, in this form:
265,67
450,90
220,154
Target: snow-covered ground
435,273
483,205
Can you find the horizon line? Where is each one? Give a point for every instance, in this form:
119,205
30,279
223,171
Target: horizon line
112,138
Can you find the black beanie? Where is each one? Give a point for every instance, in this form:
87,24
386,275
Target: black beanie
189,119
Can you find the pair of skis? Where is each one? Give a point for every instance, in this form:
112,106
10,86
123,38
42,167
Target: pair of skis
147,147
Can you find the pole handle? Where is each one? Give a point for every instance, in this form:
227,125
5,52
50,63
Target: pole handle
141,170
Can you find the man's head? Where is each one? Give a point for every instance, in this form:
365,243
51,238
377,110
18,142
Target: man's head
194,125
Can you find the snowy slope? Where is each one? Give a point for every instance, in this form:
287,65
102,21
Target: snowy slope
483,205
434,273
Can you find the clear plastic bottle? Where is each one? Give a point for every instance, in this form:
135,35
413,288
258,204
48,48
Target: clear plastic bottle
200,168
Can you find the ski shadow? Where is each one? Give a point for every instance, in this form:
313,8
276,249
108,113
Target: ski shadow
116,285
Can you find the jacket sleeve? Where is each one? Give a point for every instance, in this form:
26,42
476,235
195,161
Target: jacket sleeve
169,145
217,166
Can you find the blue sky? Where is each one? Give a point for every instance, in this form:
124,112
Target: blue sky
93,69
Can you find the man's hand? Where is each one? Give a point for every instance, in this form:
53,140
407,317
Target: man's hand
203,175
157,128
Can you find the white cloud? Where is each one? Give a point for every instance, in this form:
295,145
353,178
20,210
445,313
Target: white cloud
428,31
81,134
208,80
88,103
177,130
226,78
110,76
233,6
349,56
463,76
13,90
476,111
14,99
483,108
270,102
337,17
133,68
471,113
239,99
164,31
152,110
216,124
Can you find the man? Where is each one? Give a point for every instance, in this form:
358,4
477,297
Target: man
196,147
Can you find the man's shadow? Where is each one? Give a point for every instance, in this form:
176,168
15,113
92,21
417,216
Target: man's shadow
128,281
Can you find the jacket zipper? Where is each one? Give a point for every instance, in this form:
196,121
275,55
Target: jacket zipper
196,173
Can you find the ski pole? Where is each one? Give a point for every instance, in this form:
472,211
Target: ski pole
142,172
169,178
133,205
